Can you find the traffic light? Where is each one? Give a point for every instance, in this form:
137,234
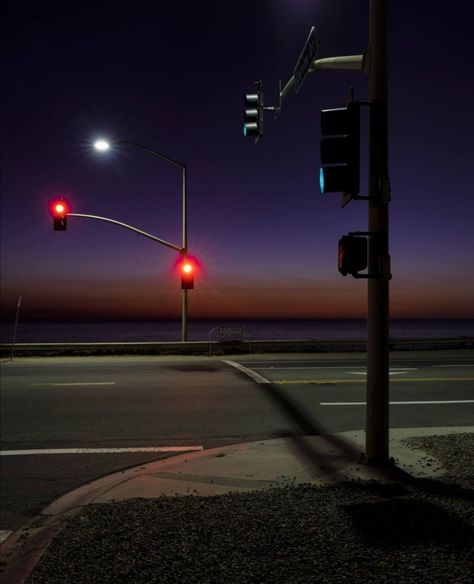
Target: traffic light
340,150
253,120
352,256
60,210
187,274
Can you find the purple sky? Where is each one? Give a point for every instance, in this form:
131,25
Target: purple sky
172,75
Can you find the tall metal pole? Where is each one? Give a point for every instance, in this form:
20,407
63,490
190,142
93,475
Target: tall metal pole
184,312
184,250
15,327
377,420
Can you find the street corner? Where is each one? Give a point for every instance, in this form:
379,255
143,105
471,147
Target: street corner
21,549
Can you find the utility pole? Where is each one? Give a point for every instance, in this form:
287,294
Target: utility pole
377,415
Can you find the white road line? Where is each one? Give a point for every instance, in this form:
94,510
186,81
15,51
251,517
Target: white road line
316,367
73,384
393,371
255,376
100,450
4,533
457,365
401,403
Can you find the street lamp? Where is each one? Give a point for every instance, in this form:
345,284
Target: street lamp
102,145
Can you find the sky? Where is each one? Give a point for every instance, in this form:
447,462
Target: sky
172,75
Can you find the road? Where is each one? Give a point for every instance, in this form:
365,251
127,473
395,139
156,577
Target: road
67,421
427,389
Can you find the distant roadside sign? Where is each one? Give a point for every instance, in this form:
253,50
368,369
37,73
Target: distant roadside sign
231,332
308,55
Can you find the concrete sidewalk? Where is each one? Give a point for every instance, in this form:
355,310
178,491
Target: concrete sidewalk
259,465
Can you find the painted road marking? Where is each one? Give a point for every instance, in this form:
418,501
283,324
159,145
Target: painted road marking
397,380
395,370
100,450
316,367
401,403
252,374
392,371
73,384
4,533
457,365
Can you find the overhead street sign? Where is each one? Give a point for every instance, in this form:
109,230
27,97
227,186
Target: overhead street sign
306,59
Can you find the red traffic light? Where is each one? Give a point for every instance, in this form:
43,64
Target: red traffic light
59,208
187,268
187,275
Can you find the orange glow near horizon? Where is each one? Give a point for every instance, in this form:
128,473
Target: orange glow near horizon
159,297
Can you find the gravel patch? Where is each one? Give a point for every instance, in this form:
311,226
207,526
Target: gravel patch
454,451
419,531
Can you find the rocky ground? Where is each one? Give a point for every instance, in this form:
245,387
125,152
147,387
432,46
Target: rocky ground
402,531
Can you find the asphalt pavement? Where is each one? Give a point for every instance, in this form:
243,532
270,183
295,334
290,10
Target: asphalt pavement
68,421
104,531
71,427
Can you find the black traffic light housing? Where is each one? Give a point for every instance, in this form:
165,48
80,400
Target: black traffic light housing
352,255
340,150
253,118
187,281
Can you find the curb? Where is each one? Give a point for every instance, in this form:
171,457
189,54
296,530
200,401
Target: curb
338,458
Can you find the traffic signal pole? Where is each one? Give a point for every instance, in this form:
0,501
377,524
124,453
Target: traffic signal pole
184,311
130,227
373,62
377,414
182,250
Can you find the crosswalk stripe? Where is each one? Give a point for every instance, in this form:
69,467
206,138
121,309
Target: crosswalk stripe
152,449
402,403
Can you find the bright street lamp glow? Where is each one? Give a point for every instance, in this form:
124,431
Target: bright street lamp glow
101,145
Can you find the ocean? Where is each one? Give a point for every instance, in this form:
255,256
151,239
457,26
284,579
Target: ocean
62,331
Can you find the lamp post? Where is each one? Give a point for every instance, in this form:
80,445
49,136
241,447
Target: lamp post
104,145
